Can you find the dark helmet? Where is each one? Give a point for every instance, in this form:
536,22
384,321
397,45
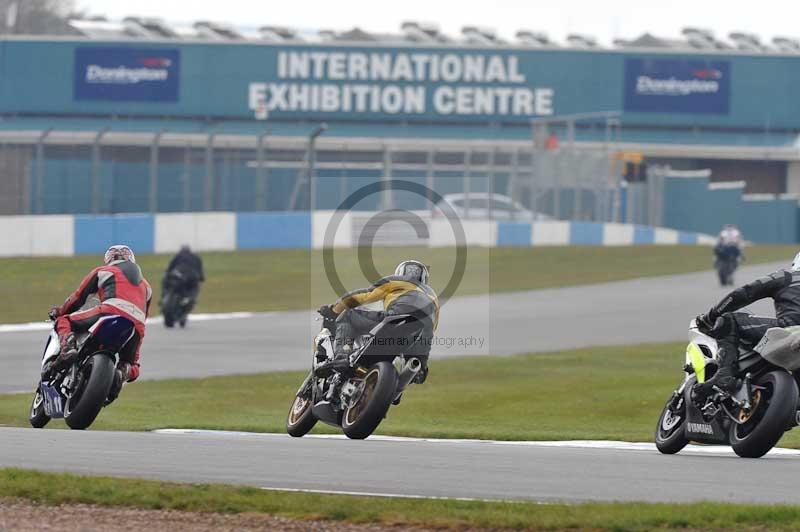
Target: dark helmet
413,269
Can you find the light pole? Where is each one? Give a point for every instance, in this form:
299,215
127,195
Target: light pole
312,160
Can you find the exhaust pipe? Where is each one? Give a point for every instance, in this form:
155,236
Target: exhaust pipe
410,371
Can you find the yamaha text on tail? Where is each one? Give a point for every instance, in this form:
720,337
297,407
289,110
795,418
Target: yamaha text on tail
750,419
79,389
358,397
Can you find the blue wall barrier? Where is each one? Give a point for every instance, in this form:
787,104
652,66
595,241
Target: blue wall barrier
586,233
225,231
514,234
643,235
273,230
94,234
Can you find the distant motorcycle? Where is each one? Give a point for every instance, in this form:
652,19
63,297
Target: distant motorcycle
727,259
78,391
753,418
176,303
357,399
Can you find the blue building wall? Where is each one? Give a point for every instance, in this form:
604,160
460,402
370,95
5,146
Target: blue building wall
690,204
40,78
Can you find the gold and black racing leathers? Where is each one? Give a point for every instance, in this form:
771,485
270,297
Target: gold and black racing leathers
399,295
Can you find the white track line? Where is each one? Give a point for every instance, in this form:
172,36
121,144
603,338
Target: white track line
46,325
574,444
389,495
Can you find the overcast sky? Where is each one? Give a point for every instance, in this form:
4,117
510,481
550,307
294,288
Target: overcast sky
606,19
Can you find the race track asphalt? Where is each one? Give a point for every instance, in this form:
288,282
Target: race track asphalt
400,467
655,309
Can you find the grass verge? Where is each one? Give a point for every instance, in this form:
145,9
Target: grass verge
613,393
280,279
50,488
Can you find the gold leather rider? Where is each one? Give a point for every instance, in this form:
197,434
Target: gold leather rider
399,294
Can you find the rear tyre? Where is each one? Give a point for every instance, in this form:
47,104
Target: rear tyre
168,310
773,409
169,321
380,384
670,434
83,406
38,417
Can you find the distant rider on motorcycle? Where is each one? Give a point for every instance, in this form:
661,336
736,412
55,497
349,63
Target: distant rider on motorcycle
121,290
405,292
729,327
190,266
729,249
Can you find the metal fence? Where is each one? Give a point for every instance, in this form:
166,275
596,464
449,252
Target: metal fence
97,172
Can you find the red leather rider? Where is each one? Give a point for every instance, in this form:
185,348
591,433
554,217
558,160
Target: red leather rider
122,290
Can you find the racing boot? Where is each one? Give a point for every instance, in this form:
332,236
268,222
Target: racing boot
422,375
69,349
120,377
725,377
727,358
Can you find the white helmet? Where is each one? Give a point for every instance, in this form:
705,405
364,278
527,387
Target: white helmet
413,269
119,252
796,263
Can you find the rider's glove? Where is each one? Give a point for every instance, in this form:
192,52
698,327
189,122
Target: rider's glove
326,311
54,313
705,321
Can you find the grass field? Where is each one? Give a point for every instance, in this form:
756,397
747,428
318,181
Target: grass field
48,488
281,279
602,393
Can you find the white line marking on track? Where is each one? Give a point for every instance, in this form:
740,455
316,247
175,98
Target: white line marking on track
574,444
389,495
46,325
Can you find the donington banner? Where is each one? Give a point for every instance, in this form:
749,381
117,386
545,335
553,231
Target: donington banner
677,85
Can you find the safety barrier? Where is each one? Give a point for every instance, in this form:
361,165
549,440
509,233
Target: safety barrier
227,231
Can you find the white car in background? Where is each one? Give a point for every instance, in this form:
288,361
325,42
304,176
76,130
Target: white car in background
478,208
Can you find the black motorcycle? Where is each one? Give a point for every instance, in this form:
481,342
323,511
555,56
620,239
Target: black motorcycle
357,398
727,260
177,299
79,389
751,419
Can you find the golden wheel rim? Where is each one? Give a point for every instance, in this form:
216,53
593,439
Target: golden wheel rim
355,411
745,415
299,407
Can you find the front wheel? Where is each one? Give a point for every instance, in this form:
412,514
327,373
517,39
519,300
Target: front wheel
82,407
38,417
301,419
379,386
774,402
670,436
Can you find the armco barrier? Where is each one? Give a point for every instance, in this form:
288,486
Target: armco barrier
226,231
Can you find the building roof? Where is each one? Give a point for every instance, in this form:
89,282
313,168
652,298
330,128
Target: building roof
412,32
